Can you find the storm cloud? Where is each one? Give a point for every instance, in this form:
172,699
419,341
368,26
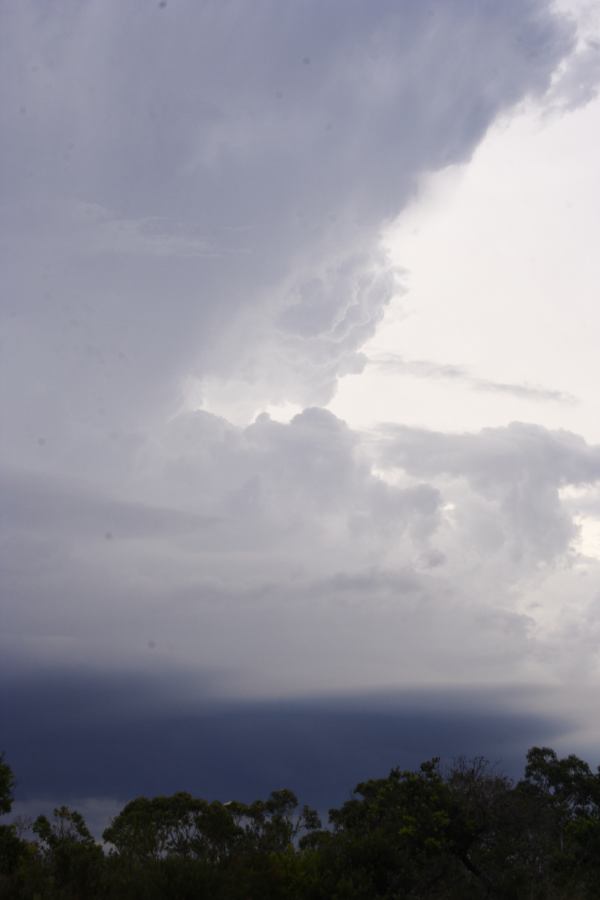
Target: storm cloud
192,231
119,736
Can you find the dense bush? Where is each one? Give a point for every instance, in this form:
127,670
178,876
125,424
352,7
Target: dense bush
467,832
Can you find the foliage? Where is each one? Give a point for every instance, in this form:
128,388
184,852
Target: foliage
465,833
7,785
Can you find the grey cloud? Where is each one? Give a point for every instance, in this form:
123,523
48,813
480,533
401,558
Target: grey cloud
320,747
578,80
277,550
419,368
269,471
519,469
187,200
48,506
263,266
495,454
273,547
237,528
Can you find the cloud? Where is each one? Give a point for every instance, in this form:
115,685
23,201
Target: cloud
190,198
518,470
278,556
195,197
122,735
289,603
576,81
397,365
43,506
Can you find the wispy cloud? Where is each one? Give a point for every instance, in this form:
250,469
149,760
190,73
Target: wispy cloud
421,368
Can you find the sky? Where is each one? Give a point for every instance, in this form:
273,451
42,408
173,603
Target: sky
299,448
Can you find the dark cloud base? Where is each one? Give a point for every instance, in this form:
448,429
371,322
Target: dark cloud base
70,736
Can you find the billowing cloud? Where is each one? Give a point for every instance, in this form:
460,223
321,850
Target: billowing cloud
197,191
305,557
519,469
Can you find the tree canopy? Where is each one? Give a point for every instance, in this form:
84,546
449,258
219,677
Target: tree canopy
464,831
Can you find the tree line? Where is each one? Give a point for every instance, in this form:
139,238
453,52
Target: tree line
456,833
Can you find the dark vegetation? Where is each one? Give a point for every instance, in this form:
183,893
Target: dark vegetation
467,832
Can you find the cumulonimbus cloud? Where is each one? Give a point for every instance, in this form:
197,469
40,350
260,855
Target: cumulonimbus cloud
195,194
